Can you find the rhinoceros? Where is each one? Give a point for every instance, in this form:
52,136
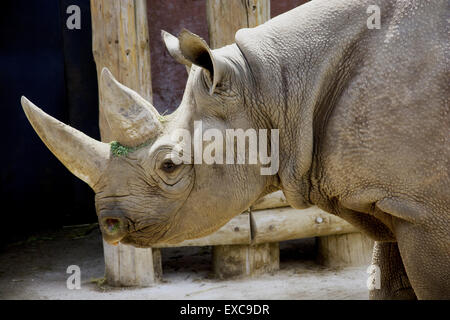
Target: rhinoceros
363,120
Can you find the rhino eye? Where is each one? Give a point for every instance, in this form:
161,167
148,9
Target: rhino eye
168,166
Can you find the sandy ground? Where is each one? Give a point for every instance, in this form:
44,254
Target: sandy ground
36,269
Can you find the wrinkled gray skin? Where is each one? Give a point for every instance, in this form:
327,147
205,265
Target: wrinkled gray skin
364,134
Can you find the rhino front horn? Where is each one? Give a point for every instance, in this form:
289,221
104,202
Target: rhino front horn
131,119
85,157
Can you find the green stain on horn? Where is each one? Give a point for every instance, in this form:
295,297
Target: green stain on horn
119,150
162,117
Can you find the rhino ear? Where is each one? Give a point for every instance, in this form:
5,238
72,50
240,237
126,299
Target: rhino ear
197,51
132,119
173,47
85,157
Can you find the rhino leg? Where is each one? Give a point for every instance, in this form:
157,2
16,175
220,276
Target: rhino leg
423,241
394,281
426,258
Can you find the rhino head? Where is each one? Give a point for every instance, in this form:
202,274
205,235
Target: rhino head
142,195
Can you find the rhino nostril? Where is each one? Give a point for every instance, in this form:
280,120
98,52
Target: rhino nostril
112,225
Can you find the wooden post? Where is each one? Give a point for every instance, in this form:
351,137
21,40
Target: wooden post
351,249
245,260
120,42
224,19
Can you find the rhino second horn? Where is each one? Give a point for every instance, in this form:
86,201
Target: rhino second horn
132,119
85,157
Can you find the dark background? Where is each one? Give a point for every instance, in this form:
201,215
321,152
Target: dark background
54,67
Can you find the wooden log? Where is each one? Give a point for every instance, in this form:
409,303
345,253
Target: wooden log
283,224
245,260
236,231
272,225
353,249
339,243
120,42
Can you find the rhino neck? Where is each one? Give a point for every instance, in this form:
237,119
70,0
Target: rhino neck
302,61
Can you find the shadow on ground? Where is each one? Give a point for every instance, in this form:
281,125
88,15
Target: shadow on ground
36,269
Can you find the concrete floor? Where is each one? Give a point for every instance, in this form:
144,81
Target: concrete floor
36,269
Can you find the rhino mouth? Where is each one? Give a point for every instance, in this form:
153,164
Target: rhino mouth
147,236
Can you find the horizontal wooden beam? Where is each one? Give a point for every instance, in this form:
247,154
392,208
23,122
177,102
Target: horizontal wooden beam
236,231
272,225
283,224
